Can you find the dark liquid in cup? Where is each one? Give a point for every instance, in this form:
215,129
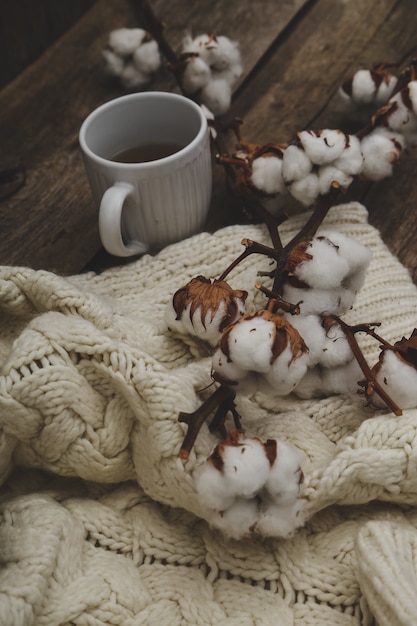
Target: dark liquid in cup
146,152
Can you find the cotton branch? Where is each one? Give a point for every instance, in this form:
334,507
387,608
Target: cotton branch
372,383
222,401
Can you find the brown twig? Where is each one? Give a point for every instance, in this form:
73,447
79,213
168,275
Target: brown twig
350,332
222,400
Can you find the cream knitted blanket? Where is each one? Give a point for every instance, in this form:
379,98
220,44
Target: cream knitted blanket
100,523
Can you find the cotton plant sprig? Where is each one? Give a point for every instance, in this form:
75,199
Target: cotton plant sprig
206,68
252,488
132,55
320,275
211,66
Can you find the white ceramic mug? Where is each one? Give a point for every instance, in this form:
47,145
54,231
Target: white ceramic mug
146,205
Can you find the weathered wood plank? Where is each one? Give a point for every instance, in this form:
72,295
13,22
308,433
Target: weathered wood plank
51,221
296,90
28,27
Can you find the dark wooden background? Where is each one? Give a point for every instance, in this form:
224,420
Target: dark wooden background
296,54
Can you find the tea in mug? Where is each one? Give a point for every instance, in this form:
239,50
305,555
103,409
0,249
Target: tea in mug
146,152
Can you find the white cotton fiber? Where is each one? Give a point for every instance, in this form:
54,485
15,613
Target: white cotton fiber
402,119
114,62
212,490
322,381
224,55
351,159
327,268
245,468
305,190
267,175
276,520
313,333
399,379
412,93
381,149
320,301
147,58
323,146
216,95
250,344
336,350
385,89
329,174
225,370
285,475
196,75
295,164
132,78
285,373
124,41
238,521
356,254
363,87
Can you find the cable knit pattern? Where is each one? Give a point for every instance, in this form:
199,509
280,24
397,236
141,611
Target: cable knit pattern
100,523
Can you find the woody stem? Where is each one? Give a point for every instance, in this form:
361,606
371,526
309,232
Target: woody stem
251,247
223,396
353,344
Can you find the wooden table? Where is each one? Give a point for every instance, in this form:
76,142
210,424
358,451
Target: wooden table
296,54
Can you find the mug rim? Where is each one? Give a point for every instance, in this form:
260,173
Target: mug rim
140,96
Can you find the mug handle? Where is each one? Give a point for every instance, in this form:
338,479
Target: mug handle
110,222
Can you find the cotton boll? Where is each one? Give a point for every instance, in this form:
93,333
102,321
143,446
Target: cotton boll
147,58
196,75
245,465
381,150
225,54
250,344
212,490
342,379
229,74
412,94
285,373
258,339
207,327
124,41
295,164
310,385
313,333
216,95
305,190
198,45
323,146
385,89
285,474
350,160
357,257
267,175
402,119
267,348
329,174
321,381
326,268
114,63
336,350
277,520
238,521
363,87
132,78
398,378
319,301
204,308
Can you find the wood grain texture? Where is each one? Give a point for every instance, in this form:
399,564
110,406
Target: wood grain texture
295,53
51,222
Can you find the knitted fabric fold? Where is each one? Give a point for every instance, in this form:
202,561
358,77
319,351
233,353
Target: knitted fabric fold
91,386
